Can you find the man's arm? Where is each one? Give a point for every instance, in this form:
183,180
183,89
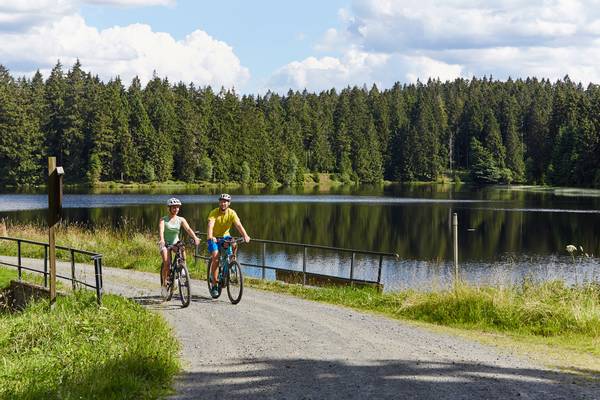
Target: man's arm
240,228
209,230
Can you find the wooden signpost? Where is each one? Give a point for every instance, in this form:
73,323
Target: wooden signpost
55,189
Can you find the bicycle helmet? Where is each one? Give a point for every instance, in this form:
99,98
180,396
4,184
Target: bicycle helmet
173,202
225,196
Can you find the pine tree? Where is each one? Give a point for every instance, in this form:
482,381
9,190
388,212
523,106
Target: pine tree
125,158
160,106
143,135
514,146
55,104
73,155
12,132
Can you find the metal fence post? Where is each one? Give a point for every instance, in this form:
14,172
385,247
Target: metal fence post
98,287
45,266
19,258
101,278
264,259
73,268
352,267
455,237
304,266
379,269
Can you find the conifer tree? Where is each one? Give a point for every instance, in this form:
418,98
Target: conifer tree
143,135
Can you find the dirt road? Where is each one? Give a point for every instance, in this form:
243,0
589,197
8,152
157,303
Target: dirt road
281,347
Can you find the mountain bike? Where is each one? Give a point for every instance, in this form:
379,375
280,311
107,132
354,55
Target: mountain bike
178,272
229,270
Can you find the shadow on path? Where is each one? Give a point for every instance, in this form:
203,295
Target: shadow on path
156,302
384,379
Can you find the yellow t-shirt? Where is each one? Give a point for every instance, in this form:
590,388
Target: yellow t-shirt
223,221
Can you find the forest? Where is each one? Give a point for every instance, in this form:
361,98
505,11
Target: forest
515,131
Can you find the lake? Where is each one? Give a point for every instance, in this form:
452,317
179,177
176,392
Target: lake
506,234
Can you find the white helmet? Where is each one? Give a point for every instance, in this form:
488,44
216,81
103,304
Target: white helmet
173,202
225,196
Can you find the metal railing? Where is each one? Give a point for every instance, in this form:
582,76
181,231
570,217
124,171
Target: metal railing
353,252
95,257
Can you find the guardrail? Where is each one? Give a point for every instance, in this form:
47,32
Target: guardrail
353,252
96,258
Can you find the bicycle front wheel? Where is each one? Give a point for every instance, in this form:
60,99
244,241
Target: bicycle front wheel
185,292
170,285
235,282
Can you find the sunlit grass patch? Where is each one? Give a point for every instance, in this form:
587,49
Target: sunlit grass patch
77,350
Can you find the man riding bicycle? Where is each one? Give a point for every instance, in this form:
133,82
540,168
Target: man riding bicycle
168,233
219,222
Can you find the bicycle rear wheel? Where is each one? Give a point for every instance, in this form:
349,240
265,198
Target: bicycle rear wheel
209,282
235,282
185,292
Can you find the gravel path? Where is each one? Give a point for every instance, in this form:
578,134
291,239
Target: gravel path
282,347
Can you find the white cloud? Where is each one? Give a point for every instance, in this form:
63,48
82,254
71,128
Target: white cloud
359,68
126,51
451,38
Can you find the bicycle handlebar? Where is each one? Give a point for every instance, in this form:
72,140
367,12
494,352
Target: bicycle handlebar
181,243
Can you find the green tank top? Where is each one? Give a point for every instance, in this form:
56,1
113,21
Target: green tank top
172,230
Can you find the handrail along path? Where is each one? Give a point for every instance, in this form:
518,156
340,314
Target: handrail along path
350,279
95,257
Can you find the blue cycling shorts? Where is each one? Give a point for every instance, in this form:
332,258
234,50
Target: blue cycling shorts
212,246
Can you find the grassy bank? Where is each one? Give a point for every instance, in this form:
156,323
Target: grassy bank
550,313
6,276
80,351
124,248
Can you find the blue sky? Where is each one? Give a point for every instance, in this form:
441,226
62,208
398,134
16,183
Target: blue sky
264,34
259,45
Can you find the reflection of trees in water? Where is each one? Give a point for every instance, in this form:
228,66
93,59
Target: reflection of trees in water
415,231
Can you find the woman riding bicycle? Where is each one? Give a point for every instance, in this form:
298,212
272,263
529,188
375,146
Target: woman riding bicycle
168,233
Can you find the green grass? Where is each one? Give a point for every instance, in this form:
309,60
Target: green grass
6,276
124,248
80,351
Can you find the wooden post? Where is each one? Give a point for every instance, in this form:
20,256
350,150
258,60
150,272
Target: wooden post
51,226
3,228
455,237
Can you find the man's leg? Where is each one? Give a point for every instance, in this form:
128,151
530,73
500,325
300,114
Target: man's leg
214,263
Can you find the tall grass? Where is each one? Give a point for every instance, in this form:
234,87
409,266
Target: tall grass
80,351
125,247
6,276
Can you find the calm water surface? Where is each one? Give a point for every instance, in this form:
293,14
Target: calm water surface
505,234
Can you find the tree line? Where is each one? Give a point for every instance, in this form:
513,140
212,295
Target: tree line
519,131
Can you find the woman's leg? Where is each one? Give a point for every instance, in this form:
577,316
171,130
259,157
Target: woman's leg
164,253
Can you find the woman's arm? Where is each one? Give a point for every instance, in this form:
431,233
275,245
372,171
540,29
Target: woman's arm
161,231
189,230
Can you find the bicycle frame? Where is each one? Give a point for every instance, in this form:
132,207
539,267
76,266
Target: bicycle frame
226,260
